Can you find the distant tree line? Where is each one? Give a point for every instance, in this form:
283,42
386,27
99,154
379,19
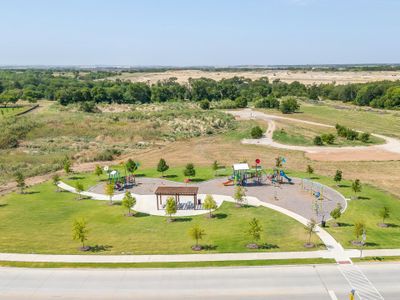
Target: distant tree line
33,85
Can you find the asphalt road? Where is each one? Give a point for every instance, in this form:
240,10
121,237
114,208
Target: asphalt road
285,282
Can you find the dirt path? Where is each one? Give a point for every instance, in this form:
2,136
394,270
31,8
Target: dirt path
390,150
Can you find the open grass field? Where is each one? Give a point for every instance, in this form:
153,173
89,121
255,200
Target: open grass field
41,222
329,112
301,134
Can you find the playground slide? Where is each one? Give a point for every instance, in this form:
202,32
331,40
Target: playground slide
227,183
283,174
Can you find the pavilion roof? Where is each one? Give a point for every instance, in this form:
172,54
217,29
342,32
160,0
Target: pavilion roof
177,190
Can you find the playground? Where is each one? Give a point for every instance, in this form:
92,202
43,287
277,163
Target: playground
302,196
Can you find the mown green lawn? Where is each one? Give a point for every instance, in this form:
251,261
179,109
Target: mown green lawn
366,208
41,222
10,111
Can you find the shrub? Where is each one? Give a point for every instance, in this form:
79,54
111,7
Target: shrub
189,170
268,102
107,155
351,134
204,104
364,137
328,138
226,104
318,141
289,105
256,132
88,106
8,140
241,102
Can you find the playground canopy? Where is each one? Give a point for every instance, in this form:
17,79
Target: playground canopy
241,167
176,191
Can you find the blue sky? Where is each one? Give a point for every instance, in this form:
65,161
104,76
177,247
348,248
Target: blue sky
202,32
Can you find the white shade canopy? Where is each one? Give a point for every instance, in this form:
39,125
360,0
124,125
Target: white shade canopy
241,167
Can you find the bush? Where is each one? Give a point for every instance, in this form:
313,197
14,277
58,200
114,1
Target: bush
318,141
204,104
328,138
8,141
241,102
88,106
351,134
107,155
364,137
256,132
289,105
268,102
225,104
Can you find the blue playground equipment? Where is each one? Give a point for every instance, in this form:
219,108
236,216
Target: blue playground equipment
283,174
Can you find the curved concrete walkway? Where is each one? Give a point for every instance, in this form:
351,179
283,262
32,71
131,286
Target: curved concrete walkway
335,250
390,145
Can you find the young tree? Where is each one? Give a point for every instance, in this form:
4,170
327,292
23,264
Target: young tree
197,234
170,208
80,232
79,189
128,202
359,228
310,229
239,195
131,166
204,104
255,230
338,177
256,132
289,105
318,141
210,204
189,170
98,171
215,166
109,191
67,165
384,214
356,187
336,213
20,179
56,179
310,170
162,166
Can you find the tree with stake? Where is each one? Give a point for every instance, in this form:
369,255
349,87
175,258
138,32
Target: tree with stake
336,213
210,204
56,179
67,165
109,191
80,233
310,229
310,170
338,177
239,195
197,234
278,162
79,189
20,179
384,214
162,166
356,187
189,170
128,202
359,228
255,233
98,171
170,208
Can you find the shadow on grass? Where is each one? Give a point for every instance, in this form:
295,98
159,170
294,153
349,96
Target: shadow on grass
363,198
268,246
100,248
344,225
343,186
209,247
31,192
220,216
196,180
3,205
390,225
314,178
140,215
76,177
180,220
371,244
140,175
170,176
